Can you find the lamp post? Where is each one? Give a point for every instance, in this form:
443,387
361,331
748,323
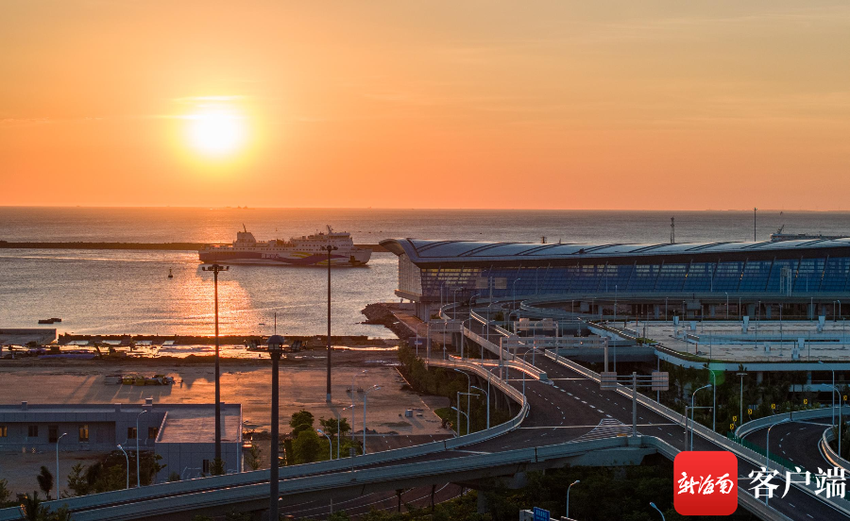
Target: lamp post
275,343
692,412
330,443
216,269
767,452
127,460
468,386
365,395
658,509
741,375
329,248
833,394
57,462
138,474
713,400
459,412
338,434
567,515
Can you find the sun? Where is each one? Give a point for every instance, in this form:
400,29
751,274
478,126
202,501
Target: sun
218,131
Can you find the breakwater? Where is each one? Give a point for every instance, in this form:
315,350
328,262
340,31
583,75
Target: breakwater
181,246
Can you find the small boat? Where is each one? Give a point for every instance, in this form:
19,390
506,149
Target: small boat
170,275
49,320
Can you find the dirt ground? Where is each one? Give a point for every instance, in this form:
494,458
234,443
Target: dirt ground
302,386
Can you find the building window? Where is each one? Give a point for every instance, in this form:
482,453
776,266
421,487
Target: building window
84,433
152,432
131,433
52,433
205,466
32,431
3,431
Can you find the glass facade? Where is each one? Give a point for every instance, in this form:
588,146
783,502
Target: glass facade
676,275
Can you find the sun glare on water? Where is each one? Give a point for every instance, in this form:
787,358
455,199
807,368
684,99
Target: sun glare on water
218,131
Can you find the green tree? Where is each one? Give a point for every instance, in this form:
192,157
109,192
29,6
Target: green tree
301,421
45,481
253,458
174,476
306,447
77,480
217,467
329,426
5,494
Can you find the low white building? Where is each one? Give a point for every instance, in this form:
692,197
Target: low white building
183,434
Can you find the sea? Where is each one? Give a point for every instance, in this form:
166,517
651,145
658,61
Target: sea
128,291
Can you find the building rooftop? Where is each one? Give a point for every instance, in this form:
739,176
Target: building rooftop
196,424
430,251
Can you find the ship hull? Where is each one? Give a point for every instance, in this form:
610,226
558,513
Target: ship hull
355,258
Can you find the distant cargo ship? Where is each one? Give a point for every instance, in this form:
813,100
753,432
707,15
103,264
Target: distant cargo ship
308,250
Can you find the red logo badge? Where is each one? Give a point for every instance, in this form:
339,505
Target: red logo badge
705,483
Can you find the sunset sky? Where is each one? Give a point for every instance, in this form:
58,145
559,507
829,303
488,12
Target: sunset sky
446,104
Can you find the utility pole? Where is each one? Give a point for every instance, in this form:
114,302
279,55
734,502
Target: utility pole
755,211
329,248
216,269
672,230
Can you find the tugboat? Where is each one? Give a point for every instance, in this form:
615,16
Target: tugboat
170,275
307,250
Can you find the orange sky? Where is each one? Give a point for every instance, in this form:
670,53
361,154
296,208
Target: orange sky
475,104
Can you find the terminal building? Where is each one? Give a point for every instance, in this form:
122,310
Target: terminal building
181,433
802,278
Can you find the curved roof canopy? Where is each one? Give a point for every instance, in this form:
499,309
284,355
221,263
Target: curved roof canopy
441,252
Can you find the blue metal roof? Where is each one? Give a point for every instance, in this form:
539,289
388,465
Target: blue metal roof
428,251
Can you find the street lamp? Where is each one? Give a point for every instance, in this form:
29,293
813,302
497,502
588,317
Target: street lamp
329,248
127,460
659,510
567,515
741,375
138,474
338,434
692,412
767,452
330,444
275,344
459,412
216,269
713,400
365,395
57,462
833,394
468,386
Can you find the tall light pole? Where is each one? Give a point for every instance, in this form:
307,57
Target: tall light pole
692,412
658,509
338,419
57,462
567,515
365,396
468,388
127,460
330,443
138,474
833,393
741,375
216,269
329,248
767,452
713,400
275,343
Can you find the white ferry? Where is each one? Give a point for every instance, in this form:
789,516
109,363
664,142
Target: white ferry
308,250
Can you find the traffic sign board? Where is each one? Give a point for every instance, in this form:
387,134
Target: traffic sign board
540,514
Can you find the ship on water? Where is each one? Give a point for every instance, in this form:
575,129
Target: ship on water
307,250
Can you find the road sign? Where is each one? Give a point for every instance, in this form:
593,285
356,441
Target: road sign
660,380
608,380
540,514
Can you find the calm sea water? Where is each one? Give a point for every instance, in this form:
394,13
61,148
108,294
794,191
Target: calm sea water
115,291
